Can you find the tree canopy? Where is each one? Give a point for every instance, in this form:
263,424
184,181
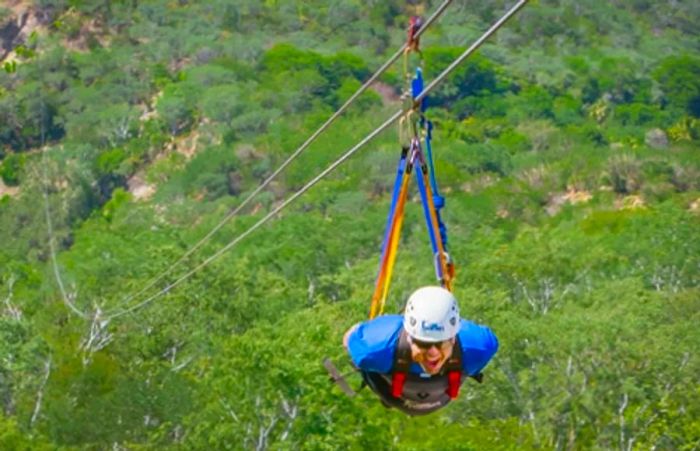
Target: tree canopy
566,148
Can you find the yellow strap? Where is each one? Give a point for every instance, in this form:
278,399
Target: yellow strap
394,242
446,273
382,286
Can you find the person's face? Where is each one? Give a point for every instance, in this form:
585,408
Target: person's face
431,356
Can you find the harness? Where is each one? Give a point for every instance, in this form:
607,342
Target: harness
416,394
402,363
414,131
412,393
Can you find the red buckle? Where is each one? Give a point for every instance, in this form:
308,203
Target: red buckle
414,24
454,380
397,381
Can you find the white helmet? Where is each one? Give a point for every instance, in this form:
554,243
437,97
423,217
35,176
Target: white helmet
431,315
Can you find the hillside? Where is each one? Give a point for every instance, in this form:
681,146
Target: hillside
567,147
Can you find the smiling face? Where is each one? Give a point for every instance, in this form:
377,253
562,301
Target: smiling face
431,356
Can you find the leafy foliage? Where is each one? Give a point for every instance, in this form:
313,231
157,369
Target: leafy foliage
567,150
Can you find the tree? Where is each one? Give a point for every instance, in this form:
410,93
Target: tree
477,77
679,77
11,168
223,103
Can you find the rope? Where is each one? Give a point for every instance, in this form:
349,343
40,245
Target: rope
391,241
291,158
441,269
49,224
269,216
470,50
52,249
330,168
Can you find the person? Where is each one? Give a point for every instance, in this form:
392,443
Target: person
417,362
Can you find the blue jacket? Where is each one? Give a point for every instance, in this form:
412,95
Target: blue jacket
373,344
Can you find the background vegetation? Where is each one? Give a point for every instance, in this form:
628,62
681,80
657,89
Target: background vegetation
567,148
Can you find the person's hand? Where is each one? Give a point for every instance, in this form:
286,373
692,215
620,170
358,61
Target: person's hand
346,337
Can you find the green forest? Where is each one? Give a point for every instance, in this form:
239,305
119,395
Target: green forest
567,149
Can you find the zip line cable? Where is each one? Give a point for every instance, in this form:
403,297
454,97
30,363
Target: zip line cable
470,50
49,224
333,166
272,213
52,249
291,158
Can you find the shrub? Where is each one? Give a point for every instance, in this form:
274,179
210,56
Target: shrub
685,178
679,77
209,171
348,87
638,114
687,129
287,58
566,110
110,161
513,141
486,105
11,168
176,112
487,158
477,76
624,173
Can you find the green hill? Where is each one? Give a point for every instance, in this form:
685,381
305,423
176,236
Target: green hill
567,149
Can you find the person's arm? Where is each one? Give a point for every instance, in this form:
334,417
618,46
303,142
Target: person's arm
489,346
479,344
346,337
371,344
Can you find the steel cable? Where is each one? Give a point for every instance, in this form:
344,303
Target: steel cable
334,165
289,160
49,223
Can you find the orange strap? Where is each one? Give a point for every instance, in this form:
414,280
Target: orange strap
381,287
446,272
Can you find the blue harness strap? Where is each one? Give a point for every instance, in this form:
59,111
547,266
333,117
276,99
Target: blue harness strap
417,88
426,211
438,200
394,196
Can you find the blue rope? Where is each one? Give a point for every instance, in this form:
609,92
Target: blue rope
417,88
438,200
394,198
429,149
426,211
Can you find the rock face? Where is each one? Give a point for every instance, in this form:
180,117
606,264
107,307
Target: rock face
10,34
22,20
139,188
8,190
656,138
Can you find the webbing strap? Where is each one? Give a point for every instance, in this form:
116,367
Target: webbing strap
397,382
444,274
438,200
428,126
394,244
391,243
395,195
417,88
420,179
412,153
402,363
